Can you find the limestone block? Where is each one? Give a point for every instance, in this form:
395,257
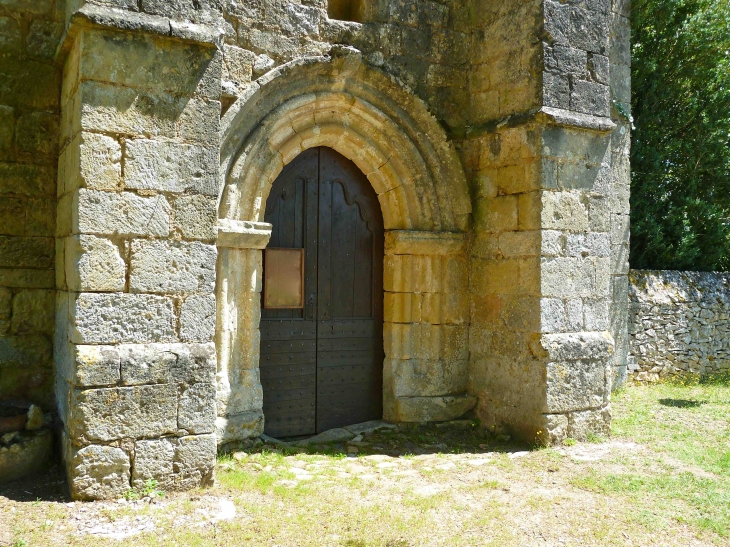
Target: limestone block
170,167
27,180
97,472
36,134
412,341
91,161
564,211
153,460
33,312
31,85
195,216
43,38
414,274
111,414
123,214
498,214
27,252
238,427
591,346
237,66
575,385
7,132
124,110
589,29
11,40
147,364
40,219
413,242
515,244
93,264
569,277
194,463
552,315
520,313
426,377
25,352
115,318
596,422
12,216
167,363
144,62
25,278
197,318
556,428
89,366
484,184
431,409
402,307
172,267
36,7
529,210
196,412
239,391
590,244
6,299
199,121
596,314
590,98
556,90
507,276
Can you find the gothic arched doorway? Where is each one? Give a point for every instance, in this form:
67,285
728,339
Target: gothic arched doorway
322,344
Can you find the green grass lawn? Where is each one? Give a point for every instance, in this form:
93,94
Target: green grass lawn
687,427
663,478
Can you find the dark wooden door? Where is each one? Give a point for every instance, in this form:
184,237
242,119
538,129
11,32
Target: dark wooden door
321,366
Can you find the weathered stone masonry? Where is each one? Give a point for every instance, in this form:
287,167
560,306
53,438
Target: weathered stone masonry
679,324
485,127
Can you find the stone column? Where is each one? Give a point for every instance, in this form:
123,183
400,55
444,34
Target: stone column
136,254
549,192
426,327
238,339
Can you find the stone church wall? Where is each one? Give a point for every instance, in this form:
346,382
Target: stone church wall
30,88
679,323
515,295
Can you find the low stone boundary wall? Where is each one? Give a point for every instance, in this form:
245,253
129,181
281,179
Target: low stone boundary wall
679,322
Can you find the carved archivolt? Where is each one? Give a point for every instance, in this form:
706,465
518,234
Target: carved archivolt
358,111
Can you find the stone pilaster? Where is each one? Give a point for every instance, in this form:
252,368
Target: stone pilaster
136,254
238,340
426,329
548,235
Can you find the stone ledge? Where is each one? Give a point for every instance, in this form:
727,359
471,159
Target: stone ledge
545,115
236,234
113,18
411,242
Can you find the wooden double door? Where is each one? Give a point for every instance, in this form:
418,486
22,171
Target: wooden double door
322,365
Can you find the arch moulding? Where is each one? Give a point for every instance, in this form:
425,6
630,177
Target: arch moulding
339,102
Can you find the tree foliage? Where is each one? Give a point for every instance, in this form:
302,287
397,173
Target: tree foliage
681,144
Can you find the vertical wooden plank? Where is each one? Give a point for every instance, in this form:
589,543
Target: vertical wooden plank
342,260
324,262
311,244
363,285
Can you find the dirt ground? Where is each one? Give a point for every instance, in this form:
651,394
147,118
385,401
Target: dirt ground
416,486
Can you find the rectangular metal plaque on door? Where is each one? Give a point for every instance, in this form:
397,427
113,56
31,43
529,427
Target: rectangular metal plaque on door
283,279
